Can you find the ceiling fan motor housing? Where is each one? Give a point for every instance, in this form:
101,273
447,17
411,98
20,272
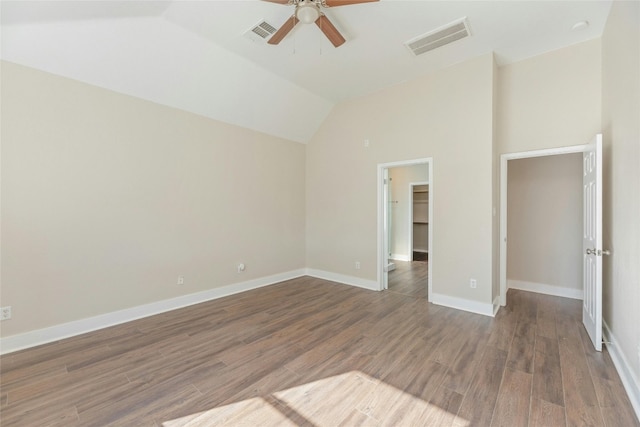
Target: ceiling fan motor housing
307,11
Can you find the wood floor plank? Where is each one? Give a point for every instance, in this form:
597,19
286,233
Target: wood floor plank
580,398
358,419
546,414
614,417
61,351
526,305
31,381
390,351
547,377
321,343
447,350
30,373
65,395
138,409
614,403
504,328
412,378
479,401
313,352
442,408
279,379
466,363
514,399
521,351
546,325
409,278
340,401
64,416
427,380
252,412
330,400
185,370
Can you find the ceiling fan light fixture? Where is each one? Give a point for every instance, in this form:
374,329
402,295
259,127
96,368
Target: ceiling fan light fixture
307,12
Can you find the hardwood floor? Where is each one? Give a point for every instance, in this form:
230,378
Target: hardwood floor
409,278
311,352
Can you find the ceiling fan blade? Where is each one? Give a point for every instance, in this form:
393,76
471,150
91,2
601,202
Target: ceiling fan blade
278,1
334,3
330,31
284,30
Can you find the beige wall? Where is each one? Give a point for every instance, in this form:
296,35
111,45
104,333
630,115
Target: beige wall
545,220
551,100
106,199
495,156
446,115
401,177
621,125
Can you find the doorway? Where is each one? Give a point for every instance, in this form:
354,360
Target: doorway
592,251
395,207
504,162
544,205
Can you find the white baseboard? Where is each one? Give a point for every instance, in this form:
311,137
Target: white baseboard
54,333
400,257
462,304
629,380
542,288
344,279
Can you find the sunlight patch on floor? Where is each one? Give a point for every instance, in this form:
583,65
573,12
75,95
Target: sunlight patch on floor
352,398
251,412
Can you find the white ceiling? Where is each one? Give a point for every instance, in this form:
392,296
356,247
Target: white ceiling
193,54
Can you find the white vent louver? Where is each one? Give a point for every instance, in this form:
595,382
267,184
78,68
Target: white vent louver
261,31
442,36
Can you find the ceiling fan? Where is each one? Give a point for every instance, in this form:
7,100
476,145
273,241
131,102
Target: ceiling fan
307,12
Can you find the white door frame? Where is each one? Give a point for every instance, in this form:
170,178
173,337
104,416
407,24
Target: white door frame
504,159
410,239
382,257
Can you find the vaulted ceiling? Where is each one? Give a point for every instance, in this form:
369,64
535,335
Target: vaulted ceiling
196,56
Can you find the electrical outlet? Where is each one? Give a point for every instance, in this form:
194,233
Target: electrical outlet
5,313
241,267
357,265
473,283
180,280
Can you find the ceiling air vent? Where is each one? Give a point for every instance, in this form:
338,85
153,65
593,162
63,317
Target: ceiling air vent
261,31
437,38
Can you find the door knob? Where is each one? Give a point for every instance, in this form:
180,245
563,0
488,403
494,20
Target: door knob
603,252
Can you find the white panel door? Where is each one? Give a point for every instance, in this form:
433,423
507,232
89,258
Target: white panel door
592,241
